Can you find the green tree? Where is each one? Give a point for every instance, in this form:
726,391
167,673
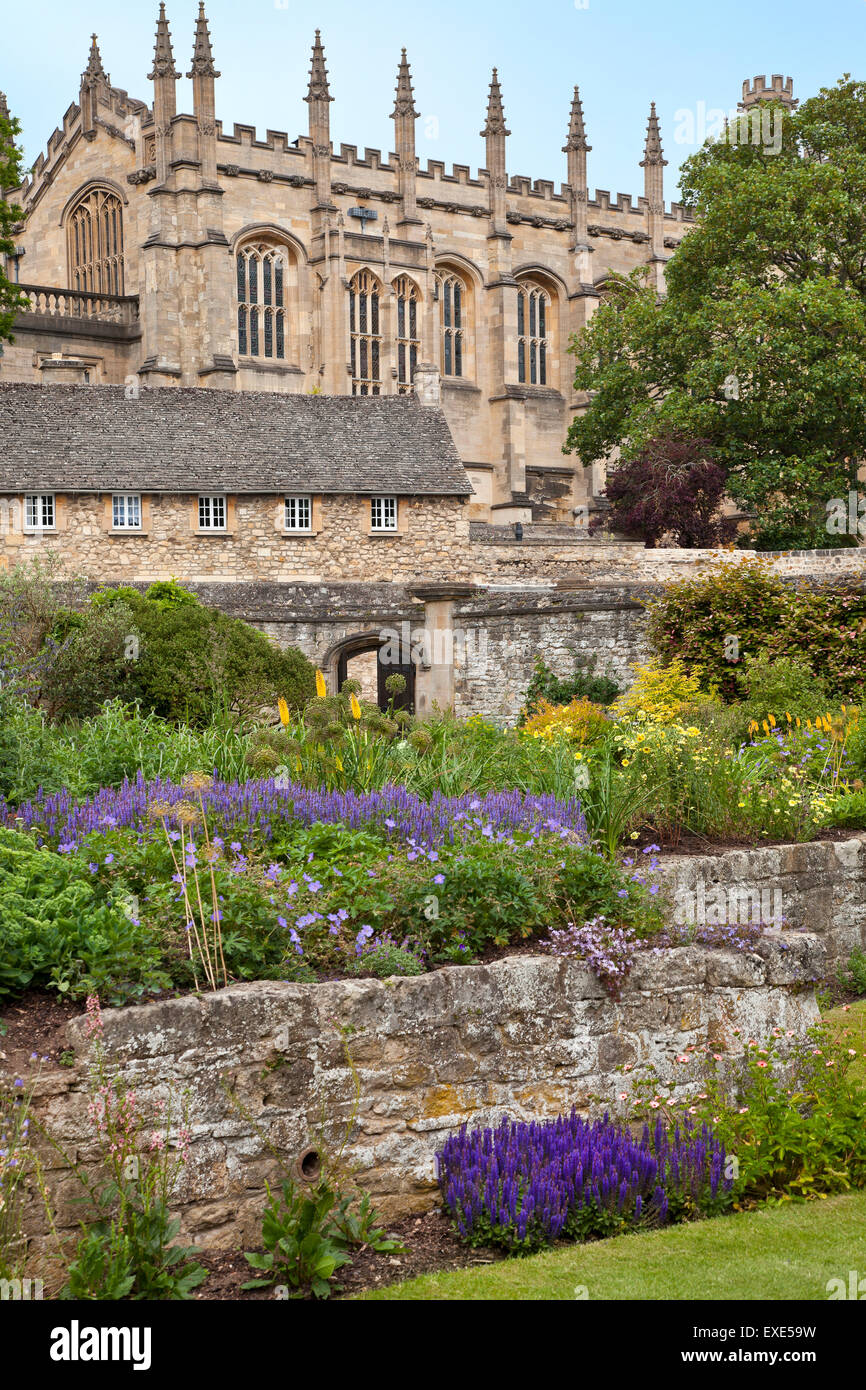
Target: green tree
759,346
11,174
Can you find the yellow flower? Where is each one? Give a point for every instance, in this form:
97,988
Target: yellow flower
356,708
772,722
339,762
321,687
284,711
765,726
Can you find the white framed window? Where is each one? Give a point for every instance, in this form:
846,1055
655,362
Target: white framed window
39,511
383,513
126,511
299,514
211,513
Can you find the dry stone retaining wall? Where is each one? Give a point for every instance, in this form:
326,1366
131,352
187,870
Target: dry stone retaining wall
395,1066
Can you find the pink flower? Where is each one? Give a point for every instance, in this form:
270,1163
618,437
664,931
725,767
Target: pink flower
654,1105
623,1095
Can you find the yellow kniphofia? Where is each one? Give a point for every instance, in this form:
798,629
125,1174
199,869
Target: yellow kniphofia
356,708
321,687
284,711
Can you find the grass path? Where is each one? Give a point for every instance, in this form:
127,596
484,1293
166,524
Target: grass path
776,1253
787,1252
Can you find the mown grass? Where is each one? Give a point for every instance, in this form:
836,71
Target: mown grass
777,1253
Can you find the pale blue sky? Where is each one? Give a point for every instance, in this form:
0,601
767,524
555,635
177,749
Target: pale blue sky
622,53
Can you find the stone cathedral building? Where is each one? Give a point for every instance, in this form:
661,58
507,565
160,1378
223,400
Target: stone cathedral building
165,246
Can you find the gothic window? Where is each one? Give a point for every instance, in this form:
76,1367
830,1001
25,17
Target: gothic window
408,335
452,323
533,334
95,233
365,335
261,301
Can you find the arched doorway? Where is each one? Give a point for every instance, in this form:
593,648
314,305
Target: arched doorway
366,658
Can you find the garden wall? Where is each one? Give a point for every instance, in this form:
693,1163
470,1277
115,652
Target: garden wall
819,887
530,1035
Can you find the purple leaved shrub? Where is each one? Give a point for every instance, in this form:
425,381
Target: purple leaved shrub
525,1185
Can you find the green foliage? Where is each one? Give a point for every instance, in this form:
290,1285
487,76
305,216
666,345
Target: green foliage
116,743
102,1267
303,1249
775,304
62,929
854,978
784,683
88,660
768,617
309,1234
561,690
133,1256
11,175
194,660
385,959
796,1125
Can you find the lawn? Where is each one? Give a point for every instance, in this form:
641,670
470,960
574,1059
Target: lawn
778,1253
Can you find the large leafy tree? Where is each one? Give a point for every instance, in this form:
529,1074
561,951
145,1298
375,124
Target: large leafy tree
759,346
10,178
10,213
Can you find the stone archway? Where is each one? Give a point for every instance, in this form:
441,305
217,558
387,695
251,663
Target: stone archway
373,674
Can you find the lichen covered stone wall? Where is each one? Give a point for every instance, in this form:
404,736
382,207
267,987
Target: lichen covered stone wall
392,1067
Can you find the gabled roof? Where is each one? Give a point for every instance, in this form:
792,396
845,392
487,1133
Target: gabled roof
173,439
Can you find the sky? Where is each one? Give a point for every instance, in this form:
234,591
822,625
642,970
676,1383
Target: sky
689,57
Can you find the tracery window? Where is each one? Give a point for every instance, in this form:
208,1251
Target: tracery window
533,330
452,323
261,301
95,243
408,336
365,334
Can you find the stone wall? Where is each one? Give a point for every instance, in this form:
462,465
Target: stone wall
819,887
395,1066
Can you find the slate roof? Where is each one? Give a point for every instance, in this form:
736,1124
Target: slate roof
92,439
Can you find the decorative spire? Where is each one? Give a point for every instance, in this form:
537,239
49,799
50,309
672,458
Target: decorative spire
404,104
94,69
576,129
163,58
653,147
318,90
202,54
4,106
495,113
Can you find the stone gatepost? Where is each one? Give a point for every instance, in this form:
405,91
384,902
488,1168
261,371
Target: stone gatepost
434,670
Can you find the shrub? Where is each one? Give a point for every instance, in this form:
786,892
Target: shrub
62,929
561,690
523,1186
579,722
796,1124
696,619
309,1235
780,685
659,692
670,486
854,977
194,659
88,659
